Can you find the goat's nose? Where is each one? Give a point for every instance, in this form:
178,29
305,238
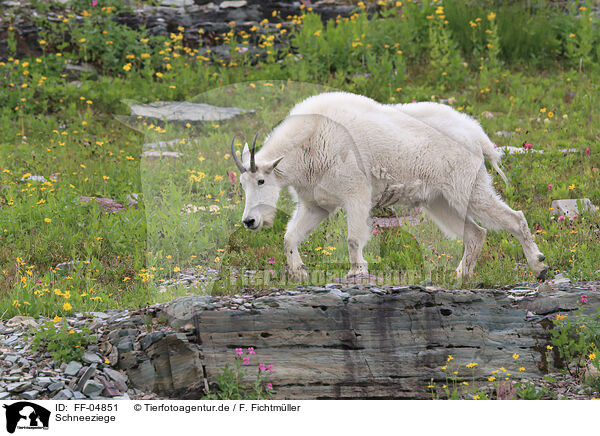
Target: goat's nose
249,223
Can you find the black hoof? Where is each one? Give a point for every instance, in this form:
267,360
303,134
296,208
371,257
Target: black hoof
541,257
542,276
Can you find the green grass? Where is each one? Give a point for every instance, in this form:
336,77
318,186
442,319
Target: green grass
70,135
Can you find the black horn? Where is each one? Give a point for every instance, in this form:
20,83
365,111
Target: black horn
252,163
236,159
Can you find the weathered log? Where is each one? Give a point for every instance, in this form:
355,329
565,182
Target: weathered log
384,342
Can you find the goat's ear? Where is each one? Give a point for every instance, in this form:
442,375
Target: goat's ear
246,154
270,166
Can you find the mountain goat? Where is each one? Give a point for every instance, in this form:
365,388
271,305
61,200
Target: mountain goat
345,150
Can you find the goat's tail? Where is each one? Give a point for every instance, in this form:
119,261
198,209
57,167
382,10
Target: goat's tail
494,156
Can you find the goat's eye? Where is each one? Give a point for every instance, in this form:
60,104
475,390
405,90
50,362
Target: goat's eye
261,182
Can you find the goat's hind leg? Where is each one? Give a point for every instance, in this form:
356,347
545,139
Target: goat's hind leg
453,224
493,213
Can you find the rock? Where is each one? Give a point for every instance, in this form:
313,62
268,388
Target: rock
76,71
30,395
92,388
504,133
42,381
79,396
56,386
40,179
559,279
64,394
89,357
105,203
143,376
374,345
177,3
151,338
20,320
18,386
568,150
125,344
487,114
116,376
161,154
184,111
72,368
569,207
11,359
4,395
233,4
88,373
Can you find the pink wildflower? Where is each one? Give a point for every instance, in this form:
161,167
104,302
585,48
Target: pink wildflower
270,368
271,260
561,218
270,386
588,151
528,146
574,216
239,351
38,281
584,299
262,367
246,361
375,231
251,350
550,187
232,177
94,2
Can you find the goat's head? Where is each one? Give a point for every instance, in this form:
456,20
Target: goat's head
261,186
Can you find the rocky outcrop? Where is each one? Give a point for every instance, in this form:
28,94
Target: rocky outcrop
371,342
334,341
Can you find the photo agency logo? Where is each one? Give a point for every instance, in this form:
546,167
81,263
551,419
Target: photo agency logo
24,415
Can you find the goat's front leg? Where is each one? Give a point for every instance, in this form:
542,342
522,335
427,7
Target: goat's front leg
306,218
358,235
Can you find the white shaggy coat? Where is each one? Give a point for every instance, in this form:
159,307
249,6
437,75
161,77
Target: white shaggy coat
346,150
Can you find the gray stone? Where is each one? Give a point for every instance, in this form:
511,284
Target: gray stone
184,111
161,154
56,386
64,394
143,376
75,71
115,375
11,358
73,368
233,4
89,357
125,344
18,386
43,381
40,179
30,395
559,279
151,338
569,207
79,396
92,388
86,376
369,345
4,395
